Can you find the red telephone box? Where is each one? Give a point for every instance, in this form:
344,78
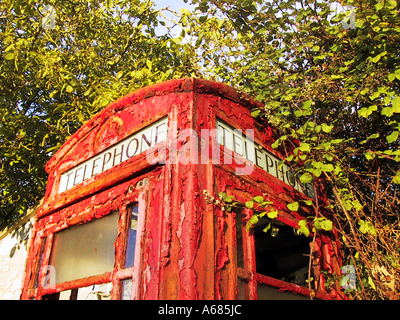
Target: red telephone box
125,216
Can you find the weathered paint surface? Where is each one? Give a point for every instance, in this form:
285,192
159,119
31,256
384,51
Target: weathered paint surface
187,247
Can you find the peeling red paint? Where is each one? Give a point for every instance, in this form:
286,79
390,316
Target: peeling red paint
187,246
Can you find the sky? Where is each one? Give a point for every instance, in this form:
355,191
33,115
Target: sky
174,5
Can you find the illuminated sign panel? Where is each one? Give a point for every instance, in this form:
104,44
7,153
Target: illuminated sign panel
234,140
122,151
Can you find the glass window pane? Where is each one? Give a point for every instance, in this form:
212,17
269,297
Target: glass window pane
95,292
85,250
92,292
126,289
132,231
243,289
282,255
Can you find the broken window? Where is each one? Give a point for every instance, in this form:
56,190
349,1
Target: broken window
126,293
92,292
133,212
85,250
271,264
265,292
281,254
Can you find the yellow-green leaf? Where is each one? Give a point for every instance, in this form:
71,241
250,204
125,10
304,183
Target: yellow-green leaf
307,104
272,214
396,178
326,128
306,178
9,56
294,206
249,204
371,283
392,137
305,147
258,199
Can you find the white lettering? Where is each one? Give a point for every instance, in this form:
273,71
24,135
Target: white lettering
244,147
129,147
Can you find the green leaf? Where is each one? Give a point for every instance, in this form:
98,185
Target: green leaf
308,202
396,178
392,137
306,178
254,219
326,128
258,199
9,56
298,113
374,136
375,95
294,206
364,112
307,104
323,224
371,283
387,111
255,113
337,141
379,6
305,147
272,214
391,4
366,227
229,199
120,74
249,204
267,228
275,144
327,167
369,155
396,105
302,228
375,59
317,171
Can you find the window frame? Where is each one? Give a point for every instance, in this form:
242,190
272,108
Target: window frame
248,273
126,195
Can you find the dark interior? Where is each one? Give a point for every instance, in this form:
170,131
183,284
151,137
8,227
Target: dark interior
285,256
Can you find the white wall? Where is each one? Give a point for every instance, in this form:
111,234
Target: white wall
13,255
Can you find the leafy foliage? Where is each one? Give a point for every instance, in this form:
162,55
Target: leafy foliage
54,79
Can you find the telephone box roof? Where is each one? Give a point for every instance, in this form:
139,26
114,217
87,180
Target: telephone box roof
201,86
